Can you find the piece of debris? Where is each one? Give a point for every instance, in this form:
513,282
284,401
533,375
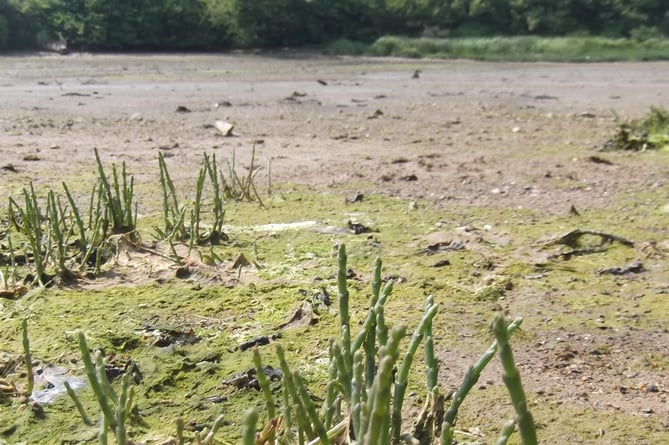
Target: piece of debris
400,160
249,378
182,109
223,103
31,158
378,113
224,127
117,368
442,263
322,82
10,168
322,297
169,146
634,267
599,160
358,197
53,378
416,74
241,261
258,341
441,246
168,335
572,239
573,211
358,228
302,316
567,255
409,178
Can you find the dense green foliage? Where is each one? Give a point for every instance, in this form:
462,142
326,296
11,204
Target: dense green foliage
218,24
516,48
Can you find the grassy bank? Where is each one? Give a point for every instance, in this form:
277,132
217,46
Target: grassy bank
515,49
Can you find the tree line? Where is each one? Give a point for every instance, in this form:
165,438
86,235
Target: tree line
224,24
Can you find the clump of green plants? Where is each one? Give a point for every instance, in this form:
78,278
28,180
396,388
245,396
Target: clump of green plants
368,378
56,241
49,239
185,223
650,132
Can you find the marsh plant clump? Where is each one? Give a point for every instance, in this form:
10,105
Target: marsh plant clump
367,383
55,239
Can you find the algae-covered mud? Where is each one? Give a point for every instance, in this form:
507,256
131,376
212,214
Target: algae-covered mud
479,184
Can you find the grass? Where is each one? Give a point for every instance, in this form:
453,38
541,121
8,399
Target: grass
514,49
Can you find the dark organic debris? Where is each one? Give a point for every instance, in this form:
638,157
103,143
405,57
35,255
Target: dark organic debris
75,94
10,168
117,367
378,113
322,82
416,74
441,246
442,263
183,109
634,267
599,160
567,255
573,211
400,160
249,378
573,238
409,178
322,297
258,341
31,158
545,97
183,272
358,197
358,228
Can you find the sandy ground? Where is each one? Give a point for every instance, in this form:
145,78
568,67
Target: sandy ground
454,132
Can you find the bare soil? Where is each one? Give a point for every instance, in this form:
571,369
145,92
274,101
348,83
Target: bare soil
455,133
